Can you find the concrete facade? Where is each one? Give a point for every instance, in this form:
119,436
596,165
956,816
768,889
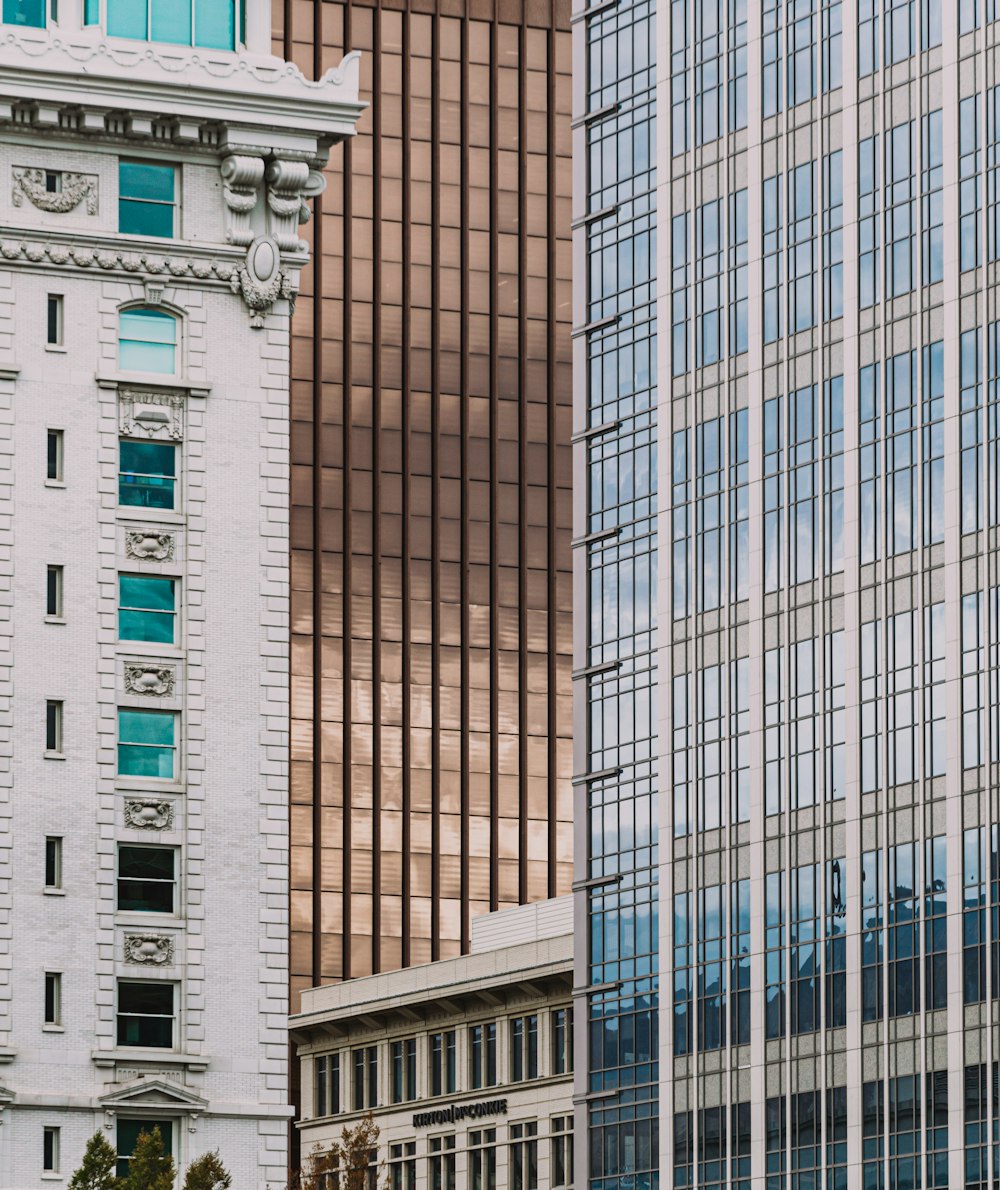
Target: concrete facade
245,136
506,1131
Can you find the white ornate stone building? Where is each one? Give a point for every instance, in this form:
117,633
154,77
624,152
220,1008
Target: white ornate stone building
155,164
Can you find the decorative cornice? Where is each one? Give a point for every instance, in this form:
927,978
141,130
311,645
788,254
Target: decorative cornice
174,93
30,184
108,259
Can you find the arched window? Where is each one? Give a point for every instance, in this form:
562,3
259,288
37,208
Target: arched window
147,341
213,24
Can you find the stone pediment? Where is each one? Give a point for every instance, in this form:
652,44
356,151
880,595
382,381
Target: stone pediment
153,1094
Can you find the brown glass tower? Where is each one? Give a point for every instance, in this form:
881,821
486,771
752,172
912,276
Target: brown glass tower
431,406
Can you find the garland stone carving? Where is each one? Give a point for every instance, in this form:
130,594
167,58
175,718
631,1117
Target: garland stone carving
149,950
260,280
151,415
149,814
30,184
156,680
149,546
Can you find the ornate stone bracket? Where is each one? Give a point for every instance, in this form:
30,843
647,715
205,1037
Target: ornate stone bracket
149,679
241,179
149,814
145,545
261,281
151,415
290,185
149,950
30,184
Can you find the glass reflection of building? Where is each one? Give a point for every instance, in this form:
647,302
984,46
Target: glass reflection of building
820,761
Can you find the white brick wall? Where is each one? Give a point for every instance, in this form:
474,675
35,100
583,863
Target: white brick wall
230,807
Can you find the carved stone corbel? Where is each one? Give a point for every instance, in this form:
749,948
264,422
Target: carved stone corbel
287,182
241,179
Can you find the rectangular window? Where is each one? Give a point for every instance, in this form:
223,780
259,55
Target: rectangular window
146,198
27,13
54,327
523,1048
147,879
524,1156
562,1041
403,1166
53,998
483,1159
54,591
53,725
53,862
147,341
327,1069
145,1015
129,1132
483,1055
54,460
444,1064
147,744
50,1150
441,1163
562,1151
404,1070
147,474
147,609
365,1081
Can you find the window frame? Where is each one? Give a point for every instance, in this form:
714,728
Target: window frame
154,315
55,441
52,1008
55,320
174,479
54,727
326,1085
54,605
443,1049
173,205
173,882
403,1070
121,1163
173,1018
53,847
50,1148
173,748
157,613
96,13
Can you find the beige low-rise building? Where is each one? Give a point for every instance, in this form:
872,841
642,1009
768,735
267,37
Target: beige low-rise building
466,1064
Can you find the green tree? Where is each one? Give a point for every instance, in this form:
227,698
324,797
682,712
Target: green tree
207,1173
97,1169
149,1168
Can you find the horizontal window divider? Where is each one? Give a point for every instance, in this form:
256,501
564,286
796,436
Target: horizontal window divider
598,775
594,216
596,325
595,431
599,113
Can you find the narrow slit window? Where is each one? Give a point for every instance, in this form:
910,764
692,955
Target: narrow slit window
53,998
54,461
54,591
53,725
50,1150
55,319
53,861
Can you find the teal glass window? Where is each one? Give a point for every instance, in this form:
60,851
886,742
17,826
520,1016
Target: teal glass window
147,474
146,608
146,198
30,13
147,341
91,12
147,744
211,24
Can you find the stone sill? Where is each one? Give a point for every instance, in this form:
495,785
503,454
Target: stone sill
196,1062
